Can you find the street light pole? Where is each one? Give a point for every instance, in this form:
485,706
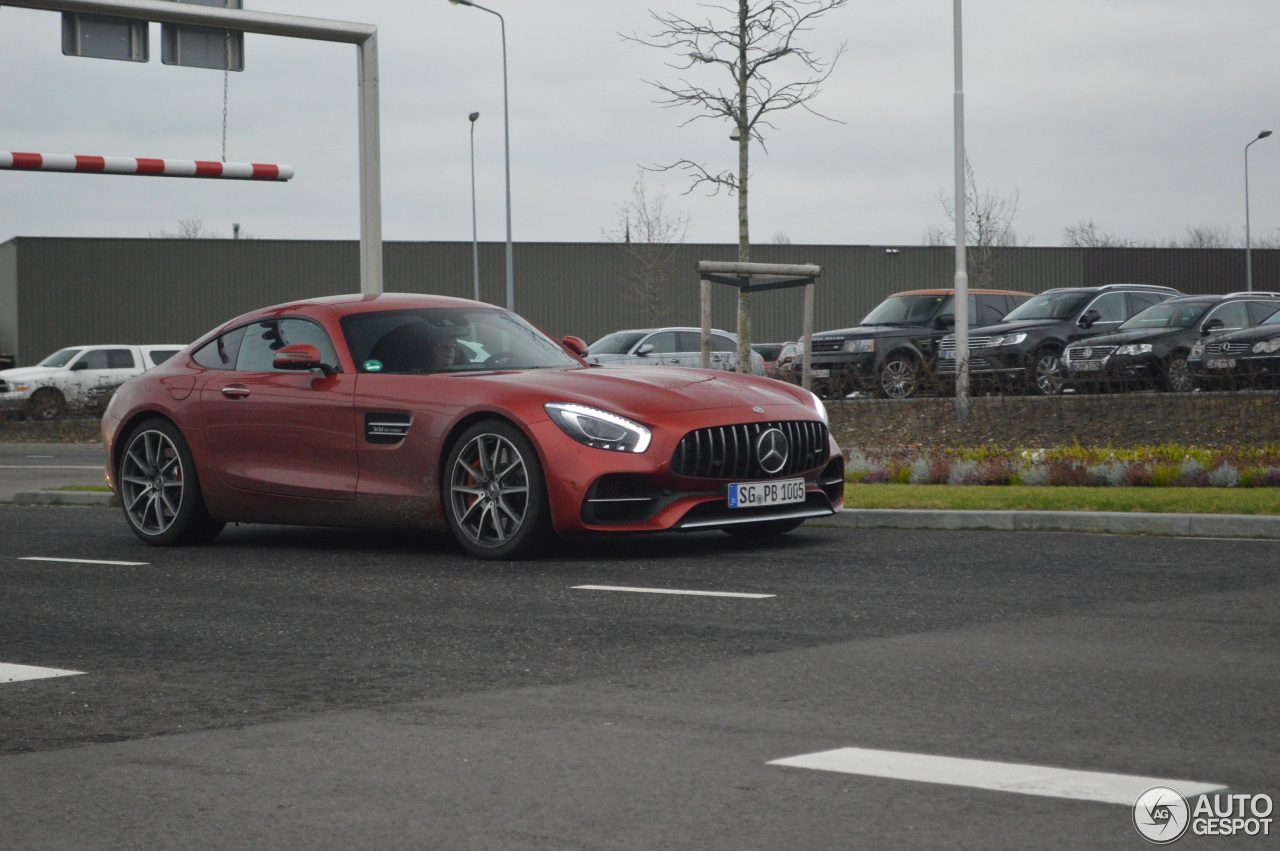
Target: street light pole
475,245
506,136
1248,241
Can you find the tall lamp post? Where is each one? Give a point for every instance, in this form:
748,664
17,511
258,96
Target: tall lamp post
506,137
1248,241
475,245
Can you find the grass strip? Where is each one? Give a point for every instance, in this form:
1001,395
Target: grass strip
1026,498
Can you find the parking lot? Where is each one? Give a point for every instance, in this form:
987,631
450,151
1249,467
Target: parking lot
337,689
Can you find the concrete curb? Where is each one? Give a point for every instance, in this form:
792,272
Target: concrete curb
1112,523
99,498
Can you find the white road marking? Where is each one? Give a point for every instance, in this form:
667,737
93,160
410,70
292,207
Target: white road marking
84,561
672,591
97,467
15,673
1046,781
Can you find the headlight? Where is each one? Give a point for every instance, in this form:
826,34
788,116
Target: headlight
1197,349
1267,346
1009,339
856,346
599,429
822,409
1134,349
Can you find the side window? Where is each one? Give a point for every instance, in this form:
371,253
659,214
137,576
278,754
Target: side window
1260,310
1112,307
1140,301
990,309
721,343
263,339
121,359
689,341
296,331
220,353
663,343
159,356
1233,315
105,359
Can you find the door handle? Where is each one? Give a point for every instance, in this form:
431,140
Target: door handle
235,391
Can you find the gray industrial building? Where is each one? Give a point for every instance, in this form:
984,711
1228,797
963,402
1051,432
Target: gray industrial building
56,292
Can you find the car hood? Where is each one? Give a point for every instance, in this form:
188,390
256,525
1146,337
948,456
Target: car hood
642,392
26,373
1135,336
870,331
1243,335
1007,327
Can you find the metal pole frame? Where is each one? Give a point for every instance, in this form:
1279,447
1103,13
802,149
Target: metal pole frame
1248,240
363,36
475,243
962,230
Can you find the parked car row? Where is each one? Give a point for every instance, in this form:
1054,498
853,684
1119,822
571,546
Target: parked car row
76,377
668,347
1118,336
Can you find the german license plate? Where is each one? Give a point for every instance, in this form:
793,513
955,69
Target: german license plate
820,373
764,494
1220,363
1086,366
947,354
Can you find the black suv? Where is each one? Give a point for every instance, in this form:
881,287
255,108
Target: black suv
894,347
1151,349
1025,349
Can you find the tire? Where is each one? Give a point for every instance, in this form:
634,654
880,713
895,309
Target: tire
1045,372
1175,374
159,490
46,404
899,377
495,493
764,529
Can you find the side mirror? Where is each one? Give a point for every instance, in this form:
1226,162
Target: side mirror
575,345
944,321
300,358
645,349
1090,317
1212,325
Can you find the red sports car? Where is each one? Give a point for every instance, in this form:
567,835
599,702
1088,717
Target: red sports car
416,410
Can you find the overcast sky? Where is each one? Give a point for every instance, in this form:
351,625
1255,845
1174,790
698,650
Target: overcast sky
1131,113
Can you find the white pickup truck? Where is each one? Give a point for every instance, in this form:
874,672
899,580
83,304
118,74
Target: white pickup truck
77,376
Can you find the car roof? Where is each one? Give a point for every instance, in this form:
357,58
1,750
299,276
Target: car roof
666,328
972,291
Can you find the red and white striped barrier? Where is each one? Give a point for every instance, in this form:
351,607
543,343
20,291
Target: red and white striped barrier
145,166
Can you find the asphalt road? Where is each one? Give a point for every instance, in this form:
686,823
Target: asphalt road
324,689
31,466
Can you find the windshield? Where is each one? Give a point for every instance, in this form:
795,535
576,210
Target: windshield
617,343
59,358
906,310
1166,315
1049,306
449,340
1273,319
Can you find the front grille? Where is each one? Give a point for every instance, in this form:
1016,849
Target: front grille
1224,347
827,346
949,345
729,452
1096,354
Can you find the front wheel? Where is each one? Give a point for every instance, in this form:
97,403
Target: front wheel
1046,372
899,377
1176,375
495,493
46,404
159,489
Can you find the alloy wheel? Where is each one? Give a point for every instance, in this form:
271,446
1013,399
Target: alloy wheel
1048,374
1178,377
152,482
489,490
898,378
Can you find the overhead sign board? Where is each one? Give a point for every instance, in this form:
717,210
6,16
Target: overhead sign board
104,37
203,47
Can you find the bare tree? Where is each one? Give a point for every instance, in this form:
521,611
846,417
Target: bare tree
744,40
989,226
1204,236
1086,234
648,236
780,238
187,229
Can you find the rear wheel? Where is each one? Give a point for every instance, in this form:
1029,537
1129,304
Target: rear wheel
46,404
899,378
159,489
495,495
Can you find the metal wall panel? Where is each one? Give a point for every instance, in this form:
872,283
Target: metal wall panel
56,292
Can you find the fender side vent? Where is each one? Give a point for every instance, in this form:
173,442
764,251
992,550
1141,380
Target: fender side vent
386,429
